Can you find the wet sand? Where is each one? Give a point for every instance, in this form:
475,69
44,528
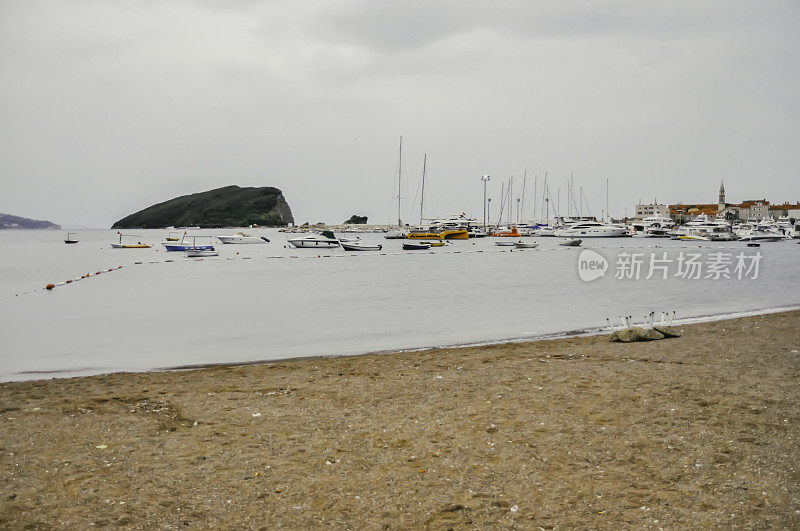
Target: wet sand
703,430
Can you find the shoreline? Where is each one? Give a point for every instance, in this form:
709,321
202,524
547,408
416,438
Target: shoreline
584,332
701,430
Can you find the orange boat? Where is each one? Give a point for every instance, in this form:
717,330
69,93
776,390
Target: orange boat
513,233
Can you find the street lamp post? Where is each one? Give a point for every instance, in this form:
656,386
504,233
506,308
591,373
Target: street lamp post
485,180
488,212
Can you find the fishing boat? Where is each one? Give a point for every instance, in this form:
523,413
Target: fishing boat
174,236
571,242
358,246
526,245
416,246
242,238
324,240
199,251
121,245
70,239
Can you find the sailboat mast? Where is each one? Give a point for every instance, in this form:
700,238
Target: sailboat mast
422,198
399,179
522,208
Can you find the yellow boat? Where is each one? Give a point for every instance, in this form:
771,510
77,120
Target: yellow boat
459,234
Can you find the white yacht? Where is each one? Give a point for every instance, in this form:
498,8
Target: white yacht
318,241
653,227
241,238
590,229
751,232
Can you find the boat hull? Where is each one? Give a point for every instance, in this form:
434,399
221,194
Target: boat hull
357,247
185,247
604,232
411,246
313,244
240,239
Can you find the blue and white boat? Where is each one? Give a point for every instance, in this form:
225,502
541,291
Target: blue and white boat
186,243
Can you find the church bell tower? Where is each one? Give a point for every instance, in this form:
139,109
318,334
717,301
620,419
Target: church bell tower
721,205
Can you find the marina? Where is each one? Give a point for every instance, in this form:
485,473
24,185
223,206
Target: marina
315,284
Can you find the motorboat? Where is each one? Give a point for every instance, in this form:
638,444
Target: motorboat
395,234
201,253
591,229
571,242
504,232
70,238
504,243
477,233
543,231
653,227
751,233
174,236
358,246
526,245
325,240
431,233
416,246
187,242
242,238
125,245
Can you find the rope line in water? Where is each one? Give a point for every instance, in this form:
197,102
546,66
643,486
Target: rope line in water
52,286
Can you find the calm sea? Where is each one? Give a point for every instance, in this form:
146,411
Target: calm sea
262,302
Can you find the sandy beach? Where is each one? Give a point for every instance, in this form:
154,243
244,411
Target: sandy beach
697,431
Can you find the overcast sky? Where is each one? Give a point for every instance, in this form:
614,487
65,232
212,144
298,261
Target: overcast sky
107,107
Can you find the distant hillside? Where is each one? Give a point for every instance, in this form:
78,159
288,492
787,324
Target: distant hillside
230,206
7,221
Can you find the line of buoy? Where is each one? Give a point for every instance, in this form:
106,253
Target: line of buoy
51,286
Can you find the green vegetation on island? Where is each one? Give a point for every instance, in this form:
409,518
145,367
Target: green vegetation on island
355,219
230,206
7,221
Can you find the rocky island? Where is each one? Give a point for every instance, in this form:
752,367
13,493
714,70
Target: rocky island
7,221
229,206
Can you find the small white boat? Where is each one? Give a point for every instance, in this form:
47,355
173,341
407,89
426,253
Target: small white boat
242,238
504,243
526,245
124,245
317,241
201,253
571,242
416,246
358,246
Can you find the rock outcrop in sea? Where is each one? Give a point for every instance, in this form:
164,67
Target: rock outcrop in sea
230,206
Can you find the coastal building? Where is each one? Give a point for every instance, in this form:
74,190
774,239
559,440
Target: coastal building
786,209
653,209
752,209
